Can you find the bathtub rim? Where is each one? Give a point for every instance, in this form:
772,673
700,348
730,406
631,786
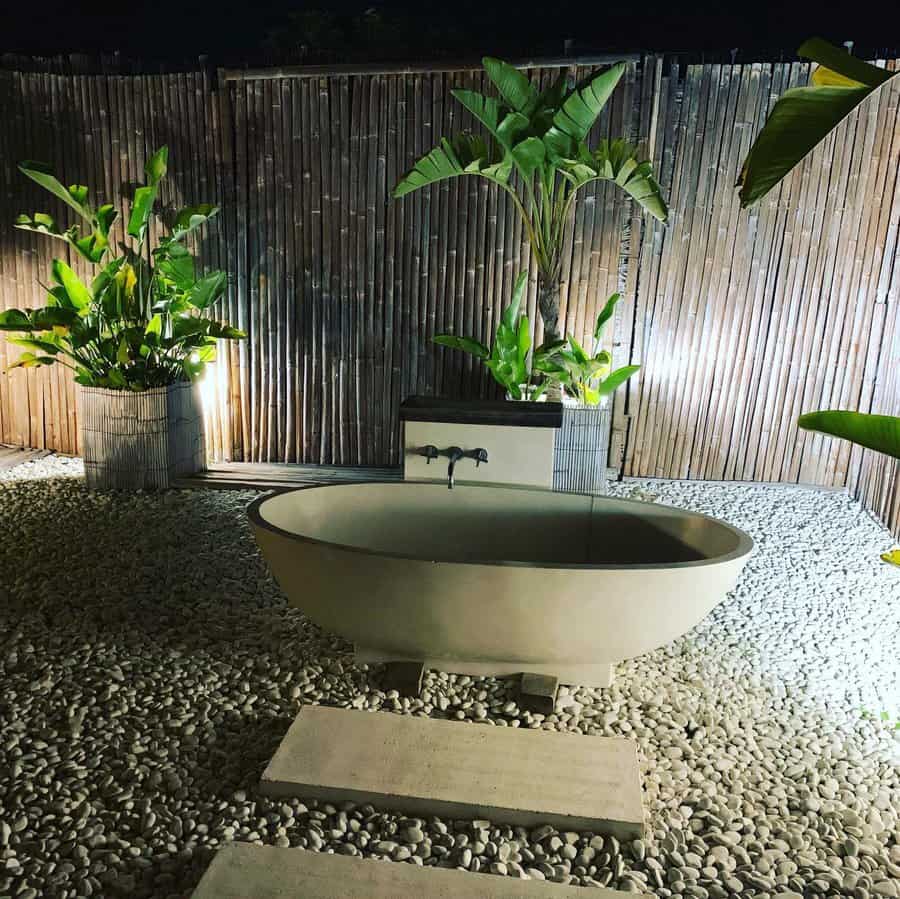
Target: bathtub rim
744,550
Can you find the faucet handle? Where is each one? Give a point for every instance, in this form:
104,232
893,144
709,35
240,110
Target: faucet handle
480,456
430,451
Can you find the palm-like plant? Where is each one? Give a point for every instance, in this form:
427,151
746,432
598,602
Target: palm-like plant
541,137
143,320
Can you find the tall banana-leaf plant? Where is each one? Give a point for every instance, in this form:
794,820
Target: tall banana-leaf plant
143,321
801,119
539,140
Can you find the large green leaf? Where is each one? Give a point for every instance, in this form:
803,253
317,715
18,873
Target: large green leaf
79,296
175,262
511,313
529,155
15,320
513,85
74,196
141,209
157,165
583,106
466,344
876,432
468,156
837,61
30,360
606,313
206,290
804,116
224,331
616,160
41,345
616,379
191,218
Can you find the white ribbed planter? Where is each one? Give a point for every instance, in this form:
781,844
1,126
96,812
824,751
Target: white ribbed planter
580,451
141,440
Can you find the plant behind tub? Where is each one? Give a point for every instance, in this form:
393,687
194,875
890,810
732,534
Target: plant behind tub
586,378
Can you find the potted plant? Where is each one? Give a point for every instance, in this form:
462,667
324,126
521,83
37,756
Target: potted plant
585,381
537,152
508,360
137,338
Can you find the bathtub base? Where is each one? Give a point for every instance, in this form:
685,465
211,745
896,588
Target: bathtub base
601,675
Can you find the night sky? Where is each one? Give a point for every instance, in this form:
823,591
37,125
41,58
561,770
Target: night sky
260,31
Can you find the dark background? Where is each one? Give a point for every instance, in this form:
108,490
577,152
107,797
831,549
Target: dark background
327,31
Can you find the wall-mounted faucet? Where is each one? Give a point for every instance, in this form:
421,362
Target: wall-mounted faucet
454,454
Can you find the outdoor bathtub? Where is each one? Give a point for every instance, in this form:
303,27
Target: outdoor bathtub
496,580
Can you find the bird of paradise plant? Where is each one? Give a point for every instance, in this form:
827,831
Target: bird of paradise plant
142,322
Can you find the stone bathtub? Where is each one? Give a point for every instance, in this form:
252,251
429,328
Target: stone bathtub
496,580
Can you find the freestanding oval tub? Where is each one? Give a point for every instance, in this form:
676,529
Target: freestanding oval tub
496,580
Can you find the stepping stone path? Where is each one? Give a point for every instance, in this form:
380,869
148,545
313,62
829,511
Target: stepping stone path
243,871
425,766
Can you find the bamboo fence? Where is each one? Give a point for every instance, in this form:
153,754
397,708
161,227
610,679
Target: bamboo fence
741,320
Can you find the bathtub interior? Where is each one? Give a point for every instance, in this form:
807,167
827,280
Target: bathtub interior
481,524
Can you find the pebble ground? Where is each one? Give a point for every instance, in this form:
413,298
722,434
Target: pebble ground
149,666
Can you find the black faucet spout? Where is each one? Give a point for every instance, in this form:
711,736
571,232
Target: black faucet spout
454,454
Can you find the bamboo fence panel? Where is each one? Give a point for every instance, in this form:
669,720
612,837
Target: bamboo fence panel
746,319
741,320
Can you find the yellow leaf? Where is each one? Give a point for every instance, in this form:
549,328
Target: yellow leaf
60,330
126,278
892,557
825,77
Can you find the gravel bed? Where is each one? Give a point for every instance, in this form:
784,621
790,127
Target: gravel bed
150,666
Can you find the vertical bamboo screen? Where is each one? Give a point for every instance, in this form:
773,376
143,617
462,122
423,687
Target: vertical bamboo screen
740,319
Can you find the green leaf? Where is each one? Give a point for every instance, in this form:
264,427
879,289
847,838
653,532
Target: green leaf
617,379
635,178
79,296
154,326
51,317
30,360
511,313
156,166
224,331
606,313
192,217
207,290
466,344
123,354
175,261
15,320
187,325
141,209
578,352
583,106
467,156
40,223
74,196
524,338
513,86
529,155
36,343
804,116
838,60
105,217
876,432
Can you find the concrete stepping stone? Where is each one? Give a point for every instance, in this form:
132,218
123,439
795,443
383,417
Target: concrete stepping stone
428,766
246,871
